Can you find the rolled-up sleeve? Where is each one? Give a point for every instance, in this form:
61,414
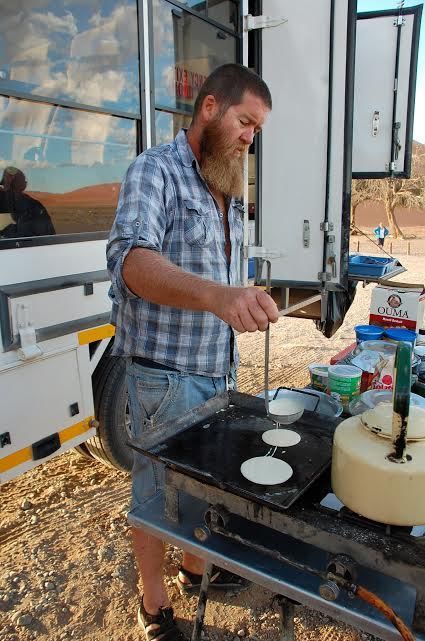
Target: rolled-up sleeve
140,221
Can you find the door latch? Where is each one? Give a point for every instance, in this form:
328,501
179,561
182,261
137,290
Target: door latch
332,263
396,140
375,123
29,348
306,233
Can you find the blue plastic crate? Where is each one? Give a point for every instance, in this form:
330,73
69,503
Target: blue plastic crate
251,267
376,266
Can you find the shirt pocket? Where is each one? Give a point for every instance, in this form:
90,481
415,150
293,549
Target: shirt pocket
198,224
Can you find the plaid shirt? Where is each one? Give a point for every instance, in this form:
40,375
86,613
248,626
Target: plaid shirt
166,206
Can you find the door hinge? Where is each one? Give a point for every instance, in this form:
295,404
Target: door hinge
326,226
323,276
262,22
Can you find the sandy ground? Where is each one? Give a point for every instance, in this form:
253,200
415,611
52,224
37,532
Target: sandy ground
66,567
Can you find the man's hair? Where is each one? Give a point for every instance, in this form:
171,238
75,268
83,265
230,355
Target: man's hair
228,84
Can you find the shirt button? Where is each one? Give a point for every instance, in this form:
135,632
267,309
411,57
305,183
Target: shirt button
137,224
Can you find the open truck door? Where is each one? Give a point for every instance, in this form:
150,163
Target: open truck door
384,92
313,63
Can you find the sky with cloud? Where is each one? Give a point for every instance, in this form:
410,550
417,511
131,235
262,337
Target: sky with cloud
80,51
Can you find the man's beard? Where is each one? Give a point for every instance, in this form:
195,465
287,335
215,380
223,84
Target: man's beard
221,168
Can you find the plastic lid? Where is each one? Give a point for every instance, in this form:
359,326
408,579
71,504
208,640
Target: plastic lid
401,334
369,328
380,420
383,347
345,371
316,368
371,398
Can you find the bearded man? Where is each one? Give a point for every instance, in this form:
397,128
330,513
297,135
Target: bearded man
174,262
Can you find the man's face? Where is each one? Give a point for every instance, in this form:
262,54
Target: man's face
225,142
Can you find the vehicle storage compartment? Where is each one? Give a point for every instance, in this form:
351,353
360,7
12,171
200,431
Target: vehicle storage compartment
54,306
47,407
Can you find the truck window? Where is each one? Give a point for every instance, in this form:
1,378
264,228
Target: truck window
61,168
69,106
224,11
167,125
85,52
186,50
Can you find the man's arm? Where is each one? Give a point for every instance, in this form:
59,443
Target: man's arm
152,277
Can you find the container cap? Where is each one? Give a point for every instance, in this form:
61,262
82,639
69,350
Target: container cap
401,334
372,329
345,371
317,368
383,347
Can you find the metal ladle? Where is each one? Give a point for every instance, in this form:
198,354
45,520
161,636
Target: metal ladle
280,419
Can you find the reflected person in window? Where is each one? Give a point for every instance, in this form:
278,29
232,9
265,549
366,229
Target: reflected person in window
28,216
174,260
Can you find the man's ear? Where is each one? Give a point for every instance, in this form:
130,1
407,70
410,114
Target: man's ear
209,109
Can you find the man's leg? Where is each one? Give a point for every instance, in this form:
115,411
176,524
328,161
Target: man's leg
149,552
157,394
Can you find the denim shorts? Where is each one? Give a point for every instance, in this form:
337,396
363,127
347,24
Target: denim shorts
161,395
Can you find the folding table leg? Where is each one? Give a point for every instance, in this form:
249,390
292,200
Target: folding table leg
202,603
287,613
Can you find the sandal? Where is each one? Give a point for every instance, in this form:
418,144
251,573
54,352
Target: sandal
189,583
161,626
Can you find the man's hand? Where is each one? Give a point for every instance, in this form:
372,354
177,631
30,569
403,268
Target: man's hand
246,309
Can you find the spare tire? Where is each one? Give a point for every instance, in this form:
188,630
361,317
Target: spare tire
111,410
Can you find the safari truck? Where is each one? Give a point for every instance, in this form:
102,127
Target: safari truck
84,88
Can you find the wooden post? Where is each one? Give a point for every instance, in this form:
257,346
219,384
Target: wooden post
391,247
408,247
358,246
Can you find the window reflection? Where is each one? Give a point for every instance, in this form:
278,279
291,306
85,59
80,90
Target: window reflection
167,126
224,11
195,5
72,161
21,214
186,50
86,52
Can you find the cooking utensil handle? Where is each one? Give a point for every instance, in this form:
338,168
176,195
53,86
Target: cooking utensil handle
401,400
267,341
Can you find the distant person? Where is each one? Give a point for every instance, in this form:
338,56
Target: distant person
28,216
381,232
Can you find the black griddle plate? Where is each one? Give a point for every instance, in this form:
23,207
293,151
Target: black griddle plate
213,450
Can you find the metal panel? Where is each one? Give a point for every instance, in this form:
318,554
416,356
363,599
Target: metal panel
60,306
385,83
305,142
276,577
46,398
43,278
